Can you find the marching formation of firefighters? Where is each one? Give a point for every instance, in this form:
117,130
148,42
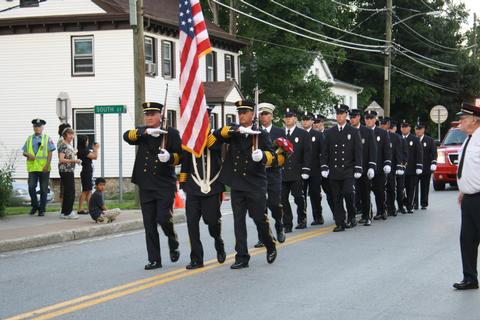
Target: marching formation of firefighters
263,164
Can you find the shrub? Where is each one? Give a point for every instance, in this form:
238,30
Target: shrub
6,179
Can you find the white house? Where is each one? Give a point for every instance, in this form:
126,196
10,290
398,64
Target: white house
346,92
83,49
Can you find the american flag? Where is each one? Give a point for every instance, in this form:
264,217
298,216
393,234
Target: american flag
194,43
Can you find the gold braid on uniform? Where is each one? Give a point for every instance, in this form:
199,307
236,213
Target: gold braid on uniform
280,160
176,159
269,157
133,135
211,140
183,177
225,133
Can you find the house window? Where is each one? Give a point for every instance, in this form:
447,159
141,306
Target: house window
211,66
150,56
84,124
172,118
213,120
82,56
229,67
168,62
230,119
28,3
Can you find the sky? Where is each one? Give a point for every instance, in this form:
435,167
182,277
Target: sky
474,6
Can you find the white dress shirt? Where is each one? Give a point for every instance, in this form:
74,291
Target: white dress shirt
291,130
340,128
268,129
470,181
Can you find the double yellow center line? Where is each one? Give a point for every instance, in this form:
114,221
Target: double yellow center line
99,297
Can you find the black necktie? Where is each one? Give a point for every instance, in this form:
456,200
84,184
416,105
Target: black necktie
340,129
460,165
288,133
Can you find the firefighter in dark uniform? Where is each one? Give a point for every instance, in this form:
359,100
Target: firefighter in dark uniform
429,165
244,171
319,125
274,173
341,162
414,166
203,198
369,162
384,163
397,164
400,179
158,153
295,171
312,186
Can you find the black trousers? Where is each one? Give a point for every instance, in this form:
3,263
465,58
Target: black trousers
423,188
208,208
254,203
33,179
470,236
391,193
401,194
378,188
362,196
296,188
411,182
312,188
326,188
157,208
68,181
343,189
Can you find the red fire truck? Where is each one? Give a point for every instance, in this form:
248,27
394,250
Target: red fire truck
447,160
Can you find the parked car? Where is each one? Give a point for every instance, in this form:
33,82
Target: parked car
20,194
447,160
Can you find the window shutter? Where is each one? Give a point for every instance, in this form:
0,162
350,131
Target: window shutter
173,58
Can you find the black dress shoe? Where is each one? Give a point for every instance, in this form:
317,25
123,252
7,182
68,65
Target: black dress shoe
194,265
153,265
41,214
339,229
32,211
317,222
415,208
410,211
259,244
271,256
174,255
384,216
353,222
363,220
281,236
402,210
348,225
424,208
301,226
239,265
394,214
465,285
288,229
378,217
221,256
368,223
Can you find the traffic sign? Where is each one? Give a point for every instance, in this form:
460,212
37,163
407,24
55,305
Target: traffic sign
110,109
439,114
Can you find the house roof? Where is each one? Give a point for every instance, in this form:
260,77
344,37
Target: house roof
347,85
218,91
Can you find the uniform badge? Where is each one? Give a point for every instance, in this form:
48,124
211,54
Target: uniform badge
411,143
313,139
391,145
296,139
378,138
349,136
363,141
424,144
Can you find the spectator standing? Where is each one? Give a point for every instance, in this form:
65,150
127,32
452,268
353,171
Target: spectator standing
86,155
66,167
61,127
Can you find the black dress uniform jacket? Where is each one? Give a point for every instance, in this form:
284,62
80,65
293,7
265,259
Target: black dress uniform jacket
337,156
317,143
429,153
147,168
369,149
299,161
415,155
399,151
384,149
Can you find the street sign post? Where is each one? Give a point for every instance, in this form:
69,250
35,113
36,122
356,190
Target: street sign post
112,109
439,114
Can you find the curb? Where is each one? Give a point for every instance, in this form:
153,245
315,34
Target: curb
77,234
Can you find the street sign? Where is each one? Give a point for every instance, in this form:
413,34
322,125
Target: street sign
439,114
110,109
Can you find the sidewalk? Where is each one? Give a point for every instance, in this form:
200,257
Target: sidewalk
25,231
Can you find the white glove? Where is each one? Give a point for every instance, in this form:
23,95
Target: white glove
305,176
182,194
257,155
164,156
387,169
325,174
244,130
400,172
433,167
419,172
371,173
155,132
357,175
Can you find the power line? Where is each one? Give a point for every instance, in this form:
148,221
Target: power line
329,25
293,32
359,24
355,7
425,64
428,82
428,6
310,31
423,57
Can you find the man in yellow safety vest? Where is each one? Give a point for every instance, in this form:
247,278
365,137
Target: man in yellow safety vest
38,150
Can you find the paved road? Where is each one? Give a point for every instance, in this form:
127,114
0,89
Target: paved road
402,268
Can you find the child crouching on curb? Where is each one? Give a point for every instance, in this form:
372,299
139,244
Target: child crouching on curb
96,206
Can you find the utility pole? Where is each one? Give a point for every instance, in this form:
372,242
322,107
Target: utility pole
139,63
475,37
388,59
